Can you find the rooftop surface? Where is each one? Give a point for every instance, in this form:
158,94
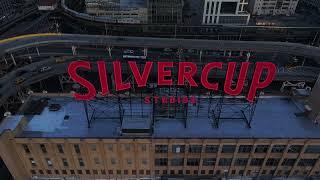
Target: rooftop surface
274,118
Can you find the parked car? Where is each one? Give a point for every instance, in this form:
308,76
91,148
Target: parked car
45,69
20,80
54,107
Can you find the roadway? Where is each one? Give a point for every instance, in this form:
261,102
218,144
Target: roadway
11,45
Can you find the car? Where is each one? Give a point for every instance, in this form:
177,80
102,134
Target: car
20,80
167,50
45,69
54,107
128,51
60,60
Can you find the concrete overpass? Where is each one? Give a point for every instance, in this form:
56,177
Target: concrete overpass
11,45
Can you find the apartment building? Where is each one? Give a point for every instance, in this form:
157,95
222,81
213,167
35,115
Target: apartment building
58,143
225,12
273,7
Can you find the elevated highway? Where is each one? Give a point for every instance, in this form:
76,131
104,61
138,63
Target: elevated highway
11,45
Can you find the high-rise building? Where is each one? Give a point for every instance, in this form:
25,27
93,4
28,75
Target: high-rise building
165,11
273,7
137,12
225,12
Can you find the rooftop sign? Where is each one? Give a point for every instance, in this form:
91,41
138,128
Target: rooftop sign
187,71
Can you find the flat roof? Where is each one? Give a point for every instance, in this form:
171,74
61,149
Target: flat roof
274,118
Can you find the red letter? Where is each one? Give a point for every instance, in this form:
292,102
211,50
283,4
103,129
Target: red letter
118,77
140,79
72,71
103,77
241,79
205,74
162,73
187,75
256,84
147,100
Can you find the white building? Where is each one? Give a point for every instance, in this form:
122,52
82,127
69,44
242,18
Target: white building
225,12
273,7
122,11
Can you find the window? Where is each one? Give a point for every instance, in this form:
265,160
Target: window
26,148
49,162
88,171
256,162
225,162
64,172
56,171
33,171
195,149
177,162
95,171
113,161
41,172
60,148
278,148
77,148
110,147
129,161
141,171
49,171
245,149
127,147
65,162
161,162
110,171
288,162
272,162
72,172
143,147
262,149
33,162
228,148
103,172
81,163
148,172
307,162
312,149
118,171
209,162
161,148
178,148
241,162
93,147
241,172
43,148
295,149
96,160
193,162
144,161
212,148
